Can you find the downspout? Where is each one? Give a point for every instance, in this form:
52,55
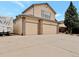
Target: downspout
57,26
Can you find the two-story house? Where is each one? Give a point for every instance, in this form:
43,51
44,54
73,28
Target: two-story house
37,19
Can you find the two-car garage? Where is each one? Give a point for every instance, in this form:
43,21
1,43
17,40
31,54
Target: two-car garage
28,25
34,26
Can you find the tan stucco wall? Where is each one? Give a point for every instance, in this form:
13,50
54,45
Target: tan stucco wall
31,26
18,26
49,22
37,11
31,19
30,11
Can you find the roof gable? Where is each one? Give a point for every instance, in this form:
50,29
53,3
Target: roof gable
39,4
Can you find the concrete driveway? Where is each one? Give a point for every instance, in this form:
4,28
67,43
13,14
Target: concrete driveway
57,45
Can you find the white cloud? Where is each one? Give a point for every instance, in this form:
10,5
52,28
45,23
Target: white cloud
58,15
19,3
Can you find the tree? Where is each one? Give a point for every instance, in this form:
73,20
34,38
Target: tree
78,16
71,18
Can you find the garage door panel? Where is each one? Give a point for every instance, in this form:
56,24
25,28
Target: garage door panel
49,29
31,28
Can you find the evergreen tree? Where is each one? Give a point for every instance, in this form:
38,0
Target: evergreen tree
78,16
71,18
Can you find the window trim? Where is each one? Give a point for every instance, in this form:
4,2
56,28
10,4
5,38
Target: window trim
45,15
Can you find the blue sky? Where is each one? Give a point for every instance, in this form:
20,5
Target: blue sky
14,8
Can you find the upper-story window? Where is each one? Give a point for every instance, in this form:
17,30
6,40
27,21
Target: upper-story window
45,14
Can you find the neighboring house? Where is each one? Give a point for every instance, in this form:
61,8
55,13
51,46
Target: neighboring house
62,27
37,19
6,24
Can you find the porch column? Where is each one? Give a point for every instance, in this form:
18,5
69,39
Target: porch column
40,27
23,25
57,28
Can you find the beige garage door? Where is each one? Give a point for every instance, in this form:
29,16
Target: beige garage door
31,28
49,29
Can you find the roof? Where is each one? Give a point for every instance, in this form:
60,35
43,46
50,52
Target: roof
40,4
61,22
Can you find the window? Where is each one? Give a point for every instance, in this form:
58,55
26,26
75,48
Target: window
45,14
